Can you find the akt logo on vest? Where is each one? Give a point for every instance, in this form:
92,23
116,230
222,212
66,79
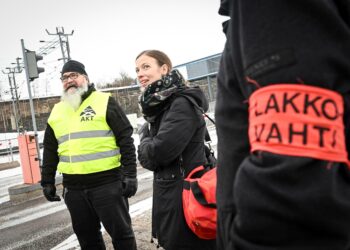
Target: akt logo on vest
87,114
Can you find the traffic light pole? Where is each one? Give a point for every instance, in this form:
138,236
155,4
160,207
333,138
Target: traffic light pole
31,101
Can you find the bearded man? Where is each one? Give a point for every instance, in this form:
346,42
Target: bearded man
89,140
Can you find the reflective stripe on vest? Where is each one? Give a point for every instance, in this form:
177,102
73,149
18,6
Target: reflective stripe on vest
89,157
86,143
85,134
298,120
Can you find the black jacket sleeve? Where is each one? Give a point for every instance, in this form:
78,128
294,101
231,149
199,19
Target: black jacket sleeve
122,131
50,159
176,130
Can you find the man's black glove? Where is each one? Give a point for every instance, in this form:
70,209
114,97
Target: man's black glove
144,131
49,191
129,187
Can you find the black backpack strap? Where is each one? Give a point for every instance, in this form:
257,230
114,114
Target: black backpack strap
195,104
207,135
198,194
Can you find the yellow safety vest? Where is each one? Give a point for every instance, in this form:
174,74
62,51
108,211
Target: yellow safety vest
86,144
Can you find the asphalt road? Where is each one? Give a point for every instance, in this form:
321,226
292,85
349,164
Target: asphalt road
40,225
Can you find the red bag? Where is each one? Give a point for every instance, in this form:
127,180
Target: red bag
199,202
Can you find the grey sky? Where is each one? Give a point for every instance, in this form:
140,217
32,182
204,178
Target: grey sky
108,34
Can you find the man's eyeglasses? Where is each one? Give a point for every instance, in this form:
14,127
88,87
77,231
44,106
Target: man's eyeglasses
72,76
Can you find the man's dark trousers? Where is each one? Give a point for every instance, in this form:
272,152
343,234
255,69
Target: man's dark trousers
89,207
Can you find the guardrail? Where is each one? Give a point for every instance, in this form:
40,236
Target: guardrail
9,143
7,146
13,150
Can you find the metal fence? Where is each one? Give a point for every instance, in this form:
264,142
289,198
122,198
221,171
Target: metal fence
8,147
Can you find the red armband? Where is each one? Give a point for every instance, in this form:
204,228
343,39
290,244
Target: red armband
298,120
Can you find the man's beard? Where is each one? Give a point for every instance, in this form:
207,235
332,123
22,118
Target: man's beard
74,99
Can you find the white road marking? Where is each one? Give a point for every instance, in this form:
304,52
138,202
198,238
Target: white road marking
30,214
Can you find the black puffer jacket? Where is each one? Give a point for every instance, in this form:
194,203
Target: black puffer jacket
176,131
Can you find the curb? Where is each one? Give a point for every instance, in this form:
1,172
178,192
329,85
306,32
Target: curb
25,192
8,165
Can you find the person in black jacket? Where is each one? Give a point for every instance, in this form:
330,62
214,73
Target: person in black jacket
171,147
88,137
283,119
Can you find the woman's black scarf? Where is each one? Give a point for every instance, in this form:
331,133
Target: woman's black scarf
157,95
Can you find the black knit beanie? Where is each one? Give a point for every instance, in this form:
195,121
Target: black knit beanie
74,66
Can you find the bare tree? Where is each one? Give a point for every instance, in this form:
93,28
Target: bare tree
123,80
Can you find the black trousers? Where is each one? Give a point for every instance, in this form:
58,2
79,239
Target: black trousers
270,201
89,207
